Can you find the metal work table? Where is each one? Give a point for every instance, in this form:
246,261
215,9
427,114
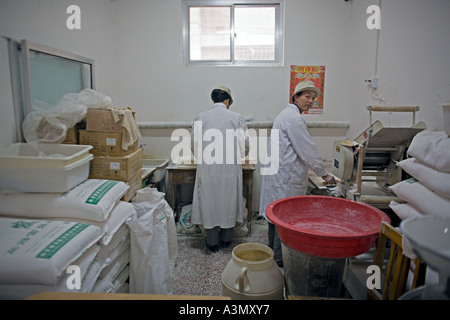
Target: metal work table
185,174
317,184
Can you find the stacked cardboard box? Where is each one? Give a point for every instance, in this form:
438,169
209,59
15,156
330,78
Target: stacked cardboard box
73,133
110,160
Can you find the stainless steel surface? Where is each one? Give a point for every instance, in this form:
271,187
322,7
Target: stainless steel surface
367,166
155,169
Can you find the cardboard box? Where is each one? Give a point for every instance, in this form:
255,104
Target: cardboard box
116,168
135,184
72,135
101,120
105,143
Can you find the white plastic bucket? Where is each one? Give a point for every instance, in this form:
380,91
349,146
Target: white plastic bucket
252,274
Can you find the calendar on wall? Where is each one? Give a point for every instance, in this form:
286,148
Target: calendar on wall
316,74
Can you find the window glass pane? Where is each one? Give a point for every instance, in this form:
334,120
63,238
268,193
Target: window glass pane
255,33
51,77
209,33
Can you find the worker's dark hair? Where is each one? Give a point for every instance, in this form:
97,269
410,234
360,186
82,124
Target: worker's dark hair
296,95
218,95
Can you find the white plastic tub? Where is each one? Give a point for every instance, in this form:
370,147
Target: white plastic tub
22,155
59,170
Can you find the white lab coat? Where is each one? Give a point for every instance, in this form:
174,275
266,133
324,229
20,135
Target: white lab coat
217,199
297,153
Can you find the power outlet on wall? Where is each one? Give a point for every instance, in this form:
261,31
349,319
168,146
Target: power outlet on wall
373,82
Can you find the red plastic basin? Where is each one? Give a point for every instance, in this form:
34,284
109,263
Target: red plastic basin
326,226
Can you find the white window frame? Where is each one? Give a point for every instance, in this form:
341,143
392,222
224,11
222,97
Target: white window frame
19,60
279,33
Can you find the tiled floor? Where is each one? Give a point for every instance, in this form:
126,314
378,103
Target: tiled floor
198,271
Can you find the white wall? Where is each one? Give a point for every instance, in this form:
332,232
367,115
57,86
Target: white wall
155,83
44,22
137,47
413,61
152,76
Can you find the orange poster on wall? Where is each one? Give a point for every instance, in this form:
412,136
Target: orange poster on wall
316,74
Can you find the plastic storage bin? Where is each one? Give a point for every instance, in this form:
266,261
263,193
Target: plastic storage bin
60,169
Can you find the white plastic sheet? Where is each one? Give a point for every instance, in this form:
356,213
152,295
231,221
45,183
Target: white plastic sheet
49,124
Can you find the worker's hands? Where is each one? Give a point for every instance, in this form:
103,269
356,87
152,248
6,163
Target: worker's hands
329,179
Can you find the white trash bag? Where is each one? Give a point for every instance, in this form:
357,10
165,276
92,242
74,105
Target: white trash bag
154,246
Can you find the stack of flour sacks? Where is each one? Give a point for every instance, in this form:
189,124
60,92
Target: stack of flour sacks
76,241
428,191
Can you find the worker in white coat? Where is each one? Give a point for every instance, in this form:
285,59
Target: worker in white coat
297,153
220,142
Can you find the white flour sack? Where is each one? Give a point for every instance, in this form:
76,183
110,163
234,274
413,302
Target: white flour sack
422,198
404,210
153,243
92,199
23,291
122,212
432,148
434,180
39,251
